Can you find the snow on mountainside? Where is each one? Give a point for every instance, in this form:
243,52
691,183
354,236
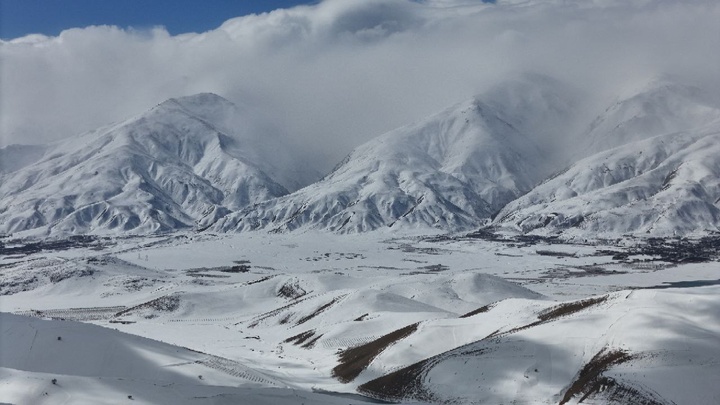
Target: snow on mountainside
655,108
451,171
665,185
15,157
179,165
655,181
650,165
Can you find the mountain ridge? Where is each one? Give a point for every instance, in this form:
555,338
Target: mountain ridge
648,164
172,167
451,171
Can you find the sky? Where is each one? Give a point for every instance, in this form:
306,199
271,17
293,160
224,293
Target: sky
332,74
50,17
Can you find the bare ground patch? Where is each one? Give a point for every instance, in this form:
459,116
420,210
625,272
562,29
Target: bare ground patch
480,310
558,311
291,290
319,310
591,383
356,359
305,339
403,384
256,321
570,308
166,303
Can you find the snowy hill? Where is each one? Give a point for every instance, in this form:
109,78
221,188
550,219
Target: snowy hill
451,171
597,354
182,164
312,317
50,362
655,181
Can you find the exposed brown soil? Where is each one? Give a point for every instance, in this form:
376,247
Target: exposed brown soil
301,338
167,303
356,359
291,290
286,319
402,384
311,343
555,253
556,312
407,383
569,308
591,384
590,379
478,311
361,317
260,280
615,392
319,310
274,312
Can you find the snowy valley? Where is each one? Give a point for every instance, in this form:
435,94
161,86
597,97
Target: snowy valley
472,257
317,318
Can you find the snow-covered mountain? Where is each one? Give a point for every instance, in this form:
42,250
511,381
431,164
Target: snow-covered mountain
15,157
658,107
184,163
451,171
520,156
661,177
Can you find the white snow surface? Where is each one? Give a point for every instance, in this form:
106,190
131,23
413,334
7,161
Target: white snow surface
451,171
263,318
662,186
182,164
653,169
658,107
521,156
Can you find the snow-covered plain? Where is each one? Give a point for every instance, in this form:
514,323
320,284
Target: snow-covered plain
321,318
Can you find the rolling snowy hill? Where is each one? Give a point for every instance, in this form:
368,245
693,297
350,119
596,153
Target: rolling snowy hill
180,165
261,318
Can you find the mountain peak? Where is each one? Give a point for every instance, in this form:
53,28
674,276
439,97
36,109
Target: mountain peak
450,171
656,107
206,106
179,165
205,98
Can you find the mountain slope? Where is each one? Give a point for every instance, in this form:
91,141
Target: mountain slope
15,157
179,165
663,186
450,171
658,107
654,180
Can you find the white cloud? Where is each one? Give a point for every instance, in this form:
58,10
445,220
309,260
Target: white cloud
335,74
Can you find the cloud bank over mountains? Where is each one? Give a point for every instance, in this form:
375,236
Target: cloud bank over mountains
333,75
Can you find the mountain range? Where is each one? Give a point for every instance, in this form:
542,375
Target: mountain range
518,157
178,165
